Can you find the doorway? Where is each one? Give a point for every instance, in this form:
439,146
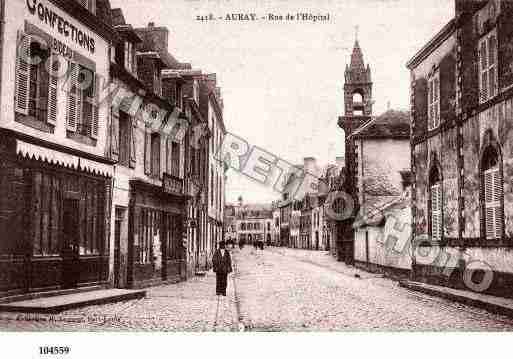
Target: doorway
70,243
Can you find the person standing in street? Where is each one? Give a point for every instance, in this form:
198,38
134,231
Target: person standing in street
222,263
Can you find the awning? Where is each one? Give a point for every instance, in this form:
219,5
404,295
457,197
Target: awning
31,151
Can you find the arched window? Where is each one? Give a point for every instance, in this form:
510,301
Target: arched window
493,193
435,195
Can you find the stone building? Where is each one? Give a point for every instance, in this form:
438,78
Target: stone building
252,222
181,85
382,147
55,169
462,152
211,108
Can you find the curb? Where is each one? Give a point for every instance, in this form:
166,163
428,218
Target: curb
464,297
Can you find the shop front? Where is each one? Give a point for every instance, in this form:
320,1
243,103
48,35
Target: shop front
54,219
156,252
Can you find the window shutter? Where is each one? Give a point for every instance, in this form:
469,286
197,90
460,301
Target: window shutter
115,135
95,121
72,106
492,66
52,90
147,152
483,71
493,210
22,73
436,212
133,128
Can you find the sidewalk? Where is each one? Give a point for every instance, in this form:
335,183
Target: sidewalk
190,306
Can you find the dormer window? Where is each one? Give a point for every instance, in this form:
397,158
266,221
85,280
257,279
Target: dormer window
89,5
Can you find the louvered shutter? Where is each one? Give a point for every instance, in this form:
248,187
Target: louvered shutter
493,210
52,89
436,212
95,121
483,73
115,135
492,66
22,73
147,152
72,105
132,129
436,105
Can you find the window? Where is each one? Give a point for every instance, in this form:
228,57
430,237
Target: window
36,88
195,91
175,158
434,101
155,154
211,187
493,194
82,106
89,5
129,57
436,205
124,139
487,54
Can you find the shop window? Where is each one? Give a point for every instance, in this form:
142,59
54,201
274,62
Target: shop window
82,105
36,87
434,101
487,58
493,194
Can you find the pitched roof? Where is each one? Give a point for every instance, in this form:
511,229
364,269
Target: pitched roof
373,212
391,124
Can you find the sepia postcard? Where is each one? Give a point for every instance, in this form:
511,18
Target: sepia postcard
254,166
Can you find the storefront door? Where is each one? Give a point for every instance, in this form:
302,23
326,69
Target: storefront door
70,235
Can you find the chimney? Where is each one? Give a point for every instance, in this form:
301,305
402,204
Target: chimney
155,38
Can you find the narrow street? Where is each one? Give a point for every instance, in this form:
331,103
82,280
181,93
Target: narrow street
293,290
277,289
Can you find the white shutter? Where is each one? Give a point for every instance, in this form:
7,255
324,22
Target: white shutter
22,73
493,197
436,212
95,124
52,89
72,106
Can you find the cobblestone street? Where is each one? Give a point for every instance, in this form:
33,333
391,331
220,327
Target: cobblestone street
190,306
275,290
294,290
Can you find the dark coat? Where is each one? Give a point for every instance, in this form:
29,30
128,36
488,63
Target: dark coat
222,264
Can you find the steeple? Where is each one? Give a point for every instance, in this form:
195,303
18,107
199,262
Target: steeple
358,84
357,57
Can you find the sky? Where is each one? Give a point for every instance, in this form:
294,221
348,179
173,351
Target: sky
282,82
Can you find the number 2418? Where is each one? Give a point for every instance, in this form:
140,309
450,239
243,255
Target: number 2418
54,350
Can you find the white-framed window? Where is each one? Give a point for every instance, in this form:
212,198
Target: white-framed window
36,87
487,58
82,104
434,100
436,211
129,57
